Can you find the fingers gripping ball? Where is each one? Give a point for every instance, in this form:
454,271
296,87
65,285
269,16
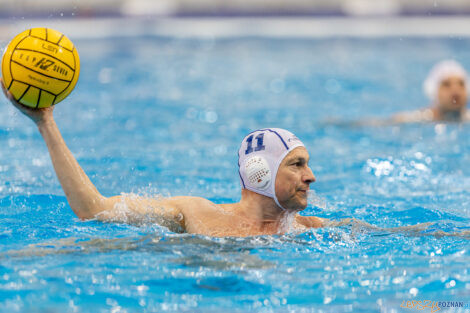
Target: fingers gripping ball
40,67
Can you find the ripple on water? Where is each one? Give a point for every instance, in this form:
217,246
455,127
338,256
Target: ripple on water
177,140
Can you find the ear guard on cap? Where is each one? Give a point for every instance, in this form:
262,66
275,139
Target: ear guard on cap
258,172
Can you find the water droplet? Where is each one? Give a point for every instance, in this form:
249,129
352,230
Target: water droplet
450,284
211,117
398,280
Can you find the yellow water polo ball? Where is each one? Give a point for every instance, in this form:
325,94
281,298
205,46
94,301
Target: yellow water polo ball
40,67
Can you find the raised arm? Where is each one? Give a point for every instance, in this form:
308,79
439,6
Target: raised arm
82,195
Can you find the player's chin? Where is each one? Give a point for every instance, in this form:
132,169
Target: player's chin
301,202
456,105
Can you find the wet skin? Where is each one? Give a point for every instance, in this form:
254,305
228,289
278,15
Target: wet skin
255,214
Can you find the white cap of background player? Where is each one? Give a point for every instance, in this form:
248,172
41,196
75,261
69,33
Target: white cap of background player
438,73
259,157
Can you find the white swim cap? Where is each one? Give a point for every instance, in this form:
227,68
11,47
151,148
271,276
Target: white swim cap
259,157
438,73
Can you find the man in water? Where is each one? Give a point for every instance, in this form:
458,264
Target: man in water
446,87
274,173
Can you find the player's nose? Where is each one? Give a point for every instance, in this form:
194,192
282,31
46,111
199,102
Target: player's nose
309,177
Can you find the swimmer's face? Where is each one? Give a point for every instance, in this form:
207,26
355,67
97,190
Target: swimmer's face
452,94
293,180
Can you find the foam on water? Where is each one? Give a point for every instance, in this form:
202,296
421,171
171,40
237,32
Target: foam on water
163,117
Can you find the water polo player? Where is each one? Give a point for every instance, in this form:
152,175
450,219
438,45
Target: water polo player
446,87
274,174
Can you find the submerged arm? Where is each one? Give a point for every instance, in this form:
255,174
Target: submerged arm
310,221
354,222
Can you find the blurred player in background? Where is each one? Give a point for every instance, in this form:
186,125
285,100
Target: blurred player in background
446,87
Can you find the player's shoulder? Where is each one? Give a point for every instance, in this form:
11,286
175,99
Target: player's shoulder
416,116
189,202
201,215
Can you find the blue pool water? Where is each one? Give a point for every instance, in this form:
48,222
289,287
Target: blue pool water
164,117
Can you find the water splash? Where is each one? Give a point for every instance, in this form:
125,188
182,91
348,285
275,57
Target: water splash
146,215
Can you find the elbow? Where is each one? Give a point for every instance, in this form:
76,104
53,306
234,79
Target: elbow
84,216
88,211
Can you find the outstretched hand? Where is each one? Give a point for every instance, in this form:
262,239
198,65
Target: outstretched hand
37,115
